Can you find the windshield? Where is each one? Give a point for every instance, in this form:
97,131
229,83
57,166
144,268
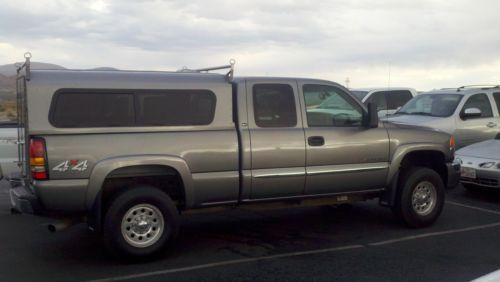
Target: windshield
436,105
359,94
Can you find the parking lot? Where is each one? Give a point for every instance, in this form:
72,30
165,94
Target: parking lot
361,243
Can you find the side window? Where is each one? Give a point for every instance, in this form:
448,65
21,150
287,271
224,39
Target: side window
338,109
379,99
84,108
175,108
274,105
78,109
481,102
497,100
396,99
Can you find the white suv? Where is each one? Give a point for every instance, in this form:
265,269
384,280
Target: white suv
388,100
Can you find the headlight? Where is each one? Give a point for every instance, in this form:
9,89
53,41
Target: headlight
487,164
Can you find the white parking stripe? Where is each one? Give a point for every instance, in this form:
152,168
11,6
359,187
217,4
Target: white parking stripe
473,207
293,254
433,234
228,262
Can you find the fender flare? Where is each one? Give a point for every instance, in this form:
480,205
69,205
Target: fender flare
389,196
103,168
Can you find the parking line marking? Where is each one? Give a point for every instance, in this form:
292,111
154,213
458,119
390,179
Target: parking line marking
473,207
227,262
319,251
433,234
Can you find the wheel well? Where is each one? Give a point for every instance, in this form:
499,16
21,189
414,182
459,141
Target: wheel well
165,178
434,160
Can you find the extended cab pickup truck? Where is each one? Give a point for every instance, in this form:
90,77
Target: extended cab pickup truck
130,151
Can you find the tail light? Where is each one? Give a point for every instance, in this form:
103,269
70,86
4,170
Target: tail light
38,159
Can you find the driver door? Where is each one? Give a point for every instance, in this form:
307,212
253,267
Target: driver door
341,155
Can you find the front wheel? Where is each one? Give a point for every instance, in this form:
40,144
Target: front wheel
420,198
140,222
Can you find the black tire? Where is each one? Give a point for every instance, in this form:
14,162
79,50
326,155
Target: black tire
136,197
413,178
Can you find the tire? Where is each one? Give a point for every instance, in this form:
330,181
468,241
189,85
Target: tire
420,198
139,223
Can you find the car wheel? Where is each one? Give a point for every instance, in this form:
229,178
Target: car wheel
140,223
420,198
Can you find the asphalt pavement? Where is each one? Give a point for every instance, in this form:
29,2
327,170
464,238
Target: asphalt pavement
363,243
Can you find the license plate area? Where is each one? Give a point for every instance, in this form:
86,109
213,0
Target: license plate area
468,172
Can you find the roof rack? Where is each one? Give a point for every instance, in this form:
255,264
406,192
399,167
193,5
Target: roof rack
26,66
229,74
482,86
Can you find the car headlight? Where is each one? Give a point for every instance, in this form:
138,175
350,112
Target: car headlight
487,164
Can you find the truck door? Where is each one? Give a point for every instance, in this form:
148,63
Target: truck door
342,155
277,139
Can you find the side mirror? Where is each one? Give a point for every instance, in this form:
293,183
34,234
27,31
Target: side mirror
471,113
370,119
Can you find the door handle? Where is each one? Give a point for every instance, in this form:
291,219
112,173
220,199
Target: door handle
316,141
491,124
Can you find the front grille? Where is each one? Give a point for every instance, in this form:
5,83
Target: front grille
482,181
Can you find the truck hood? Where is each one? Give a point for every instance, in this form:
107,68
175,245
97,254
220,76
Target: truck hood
489,149
440,123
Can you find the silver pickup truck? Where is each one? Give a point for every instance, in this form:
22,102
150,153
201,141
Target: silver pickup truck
130,151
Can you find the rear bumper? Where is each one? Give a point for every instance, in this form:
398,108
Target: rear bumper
453,170
24,201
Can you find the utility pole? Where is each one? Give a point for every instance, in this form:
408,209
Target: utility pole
347,82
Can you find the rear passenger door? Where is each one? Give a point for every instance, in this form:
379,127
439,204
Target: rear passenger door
277,139
341,154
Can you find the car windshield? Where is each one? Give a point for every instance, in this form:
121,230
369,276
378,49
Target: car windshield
359,94
436,105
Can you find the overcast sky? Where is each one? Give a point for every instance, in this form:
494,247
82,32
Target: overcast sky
421,44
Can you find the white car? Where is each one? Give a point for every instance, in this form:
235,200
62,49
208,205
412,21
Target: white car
388,100
480,164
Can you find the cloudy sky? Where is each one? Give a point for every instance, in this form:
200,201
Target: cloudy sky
422,44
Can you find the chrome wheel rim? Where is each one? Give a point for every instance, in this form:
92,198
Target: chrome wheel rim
142,225
424,198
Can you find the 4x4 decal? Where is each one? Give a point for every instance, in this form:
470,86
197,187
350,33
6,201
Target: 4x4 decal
74,165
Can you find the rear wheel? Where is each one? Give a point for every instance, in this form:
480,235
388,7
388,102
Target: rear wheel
420,198
140,223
